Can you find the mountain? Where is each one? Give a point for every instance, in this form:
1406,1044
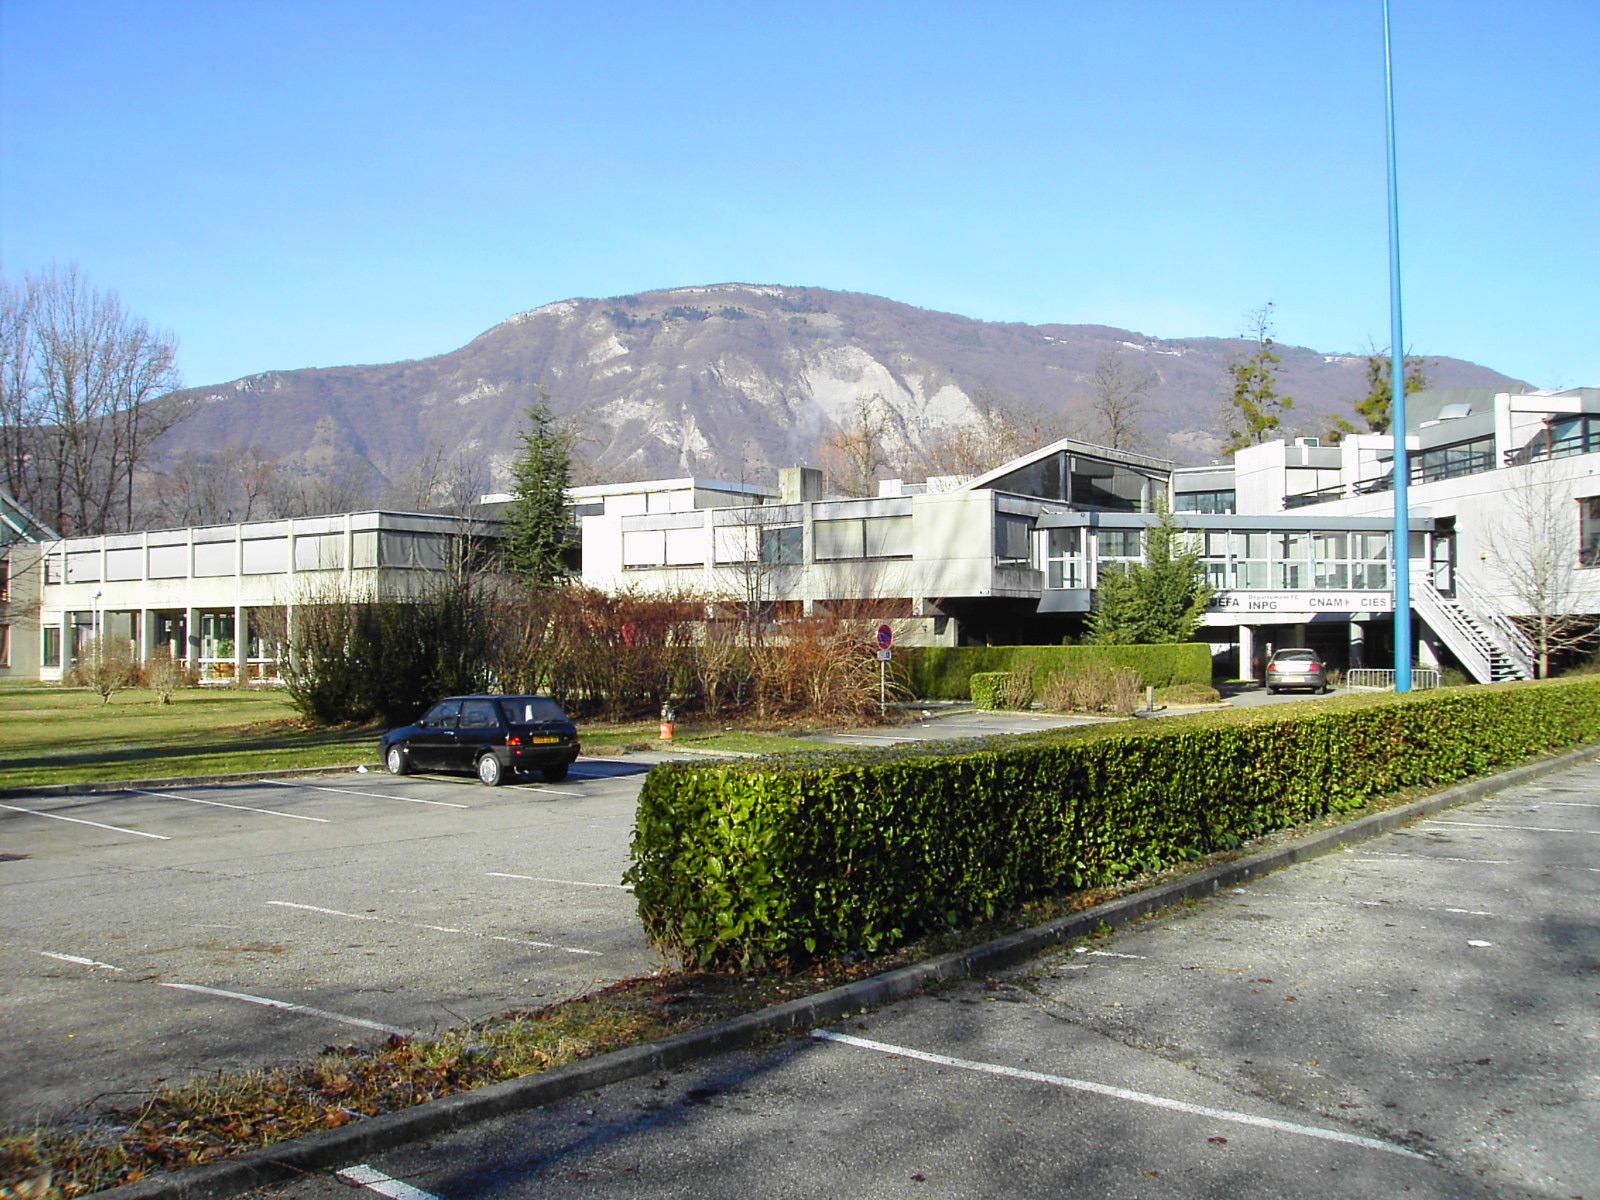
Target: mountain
733,381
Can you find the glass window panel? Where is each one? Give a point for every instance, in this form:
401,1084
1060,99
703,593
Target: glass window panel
265,556
686,547
215,558
840,539
890,537
783,545
125,563
1011,536
169,562
1063,542
83,566
644,548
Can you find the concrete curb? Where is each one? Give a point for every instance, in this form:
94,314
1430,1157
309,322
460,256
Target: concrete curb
350,1144
123,785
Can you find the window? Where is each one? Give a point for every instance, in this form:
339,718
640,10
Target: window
1589,531
169,562
890,537
364,549
1369,568
125,563
5,645
54,569
783,545
643,548
1064,559
479,714
5,578
1118,543
1205,502
526,710
1292,568
265,556
1011,537
319,552
840,539
83,566
686,547
418,551
215,558
51,656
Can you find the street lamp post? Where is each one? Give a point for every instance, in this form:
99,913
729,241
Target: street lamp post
1397,391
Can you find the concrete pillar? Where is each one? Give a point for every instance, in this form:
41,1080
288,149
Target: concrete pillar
1358,644
241,648
1247,651
1427,649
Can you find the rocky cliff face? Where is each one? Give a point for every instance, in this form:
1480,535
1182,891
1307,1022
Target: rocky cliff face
733,381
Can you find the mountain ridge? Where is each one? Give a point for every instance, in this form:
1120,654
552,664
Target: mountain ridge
735,381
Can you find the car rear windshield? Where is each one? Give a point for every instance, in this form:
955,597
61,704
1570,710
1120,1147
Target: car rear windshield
1295,656
530,710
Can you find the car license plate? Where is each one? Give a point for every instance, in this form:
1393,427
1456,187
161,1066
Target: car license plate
544,741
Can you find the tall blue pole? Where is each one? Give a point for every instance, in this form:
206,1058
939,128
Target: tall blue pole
1397,390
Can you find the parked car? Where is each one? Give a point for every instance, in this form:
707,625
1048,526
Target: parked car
1296,668
495,737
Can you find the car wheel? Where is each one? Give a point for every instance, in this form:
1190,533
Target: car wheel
395,760
1272,691
490,771
555,774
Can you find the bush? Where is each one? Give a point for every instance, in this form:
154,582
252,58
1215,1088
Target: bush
1095,687
944,672
1003,689
163,674
775,861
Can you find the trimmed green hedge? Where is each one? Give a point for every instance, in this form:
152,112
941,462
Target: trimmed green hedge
774,861
1001,689
944,672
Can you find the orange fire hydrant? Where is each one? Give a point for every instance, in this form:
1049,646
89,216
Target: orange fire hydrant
668,718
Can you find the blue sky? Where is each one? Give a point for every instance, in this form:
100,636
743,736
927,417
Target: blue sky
312,184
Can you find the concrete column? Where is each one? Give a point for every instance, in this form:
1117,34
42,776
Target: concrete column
241,650
1358,644
1247,650
1427,649
191,637
147,627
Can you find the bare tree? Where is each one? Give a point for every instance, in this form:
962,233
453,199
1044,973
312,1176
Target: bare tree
1119,393
237,484
82,398
853,456
1538,555
1002,430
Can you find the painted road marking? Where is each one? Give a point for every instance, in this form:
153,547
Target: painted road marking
565,882
271,812
33,812
1487,862
286,1006
489,937
352,792
82,962
384,1185
1526,828
1117,1093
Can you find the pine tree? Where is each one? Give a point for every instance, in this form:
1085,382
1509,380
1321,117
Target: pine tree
1377,408
538,530
1259,408
1160,600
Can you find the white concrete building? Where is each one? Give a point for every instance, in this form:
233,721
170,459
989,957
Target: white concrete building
216,597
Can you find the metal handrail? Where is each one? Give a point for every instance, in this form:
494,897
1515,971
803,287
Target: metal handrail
1517,645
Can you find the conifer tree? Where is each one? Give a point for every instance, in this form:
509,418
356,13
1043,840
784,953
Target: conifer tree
538,530
1160,600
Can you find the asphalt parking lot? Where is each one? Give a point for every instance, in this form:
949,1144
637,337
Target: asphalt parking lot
175,930
1416,1015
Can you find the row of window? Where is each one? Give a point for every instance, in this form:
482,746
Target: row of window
776,545
1235,559
253,556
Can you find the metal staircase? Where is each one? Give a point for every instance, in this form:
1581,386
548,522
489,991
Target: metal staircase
1486,643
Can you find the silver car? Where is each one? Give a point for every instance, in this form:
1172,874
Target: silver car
1296,668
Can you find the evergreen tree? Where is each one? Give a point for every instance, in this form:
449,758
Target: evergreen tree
1258,406
1377,408
1160,600
538,530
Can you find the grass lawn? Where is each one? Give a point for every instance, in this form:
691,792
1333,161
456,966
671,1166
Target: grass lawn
61,735
65,735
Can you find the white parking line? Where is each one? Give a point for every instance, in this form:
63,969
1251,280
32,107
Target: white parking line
33,812
1486,862
488,937
82,962
1117,1093
271,812
384,1185
352,792
530,787
621,887
1526,828
286,1006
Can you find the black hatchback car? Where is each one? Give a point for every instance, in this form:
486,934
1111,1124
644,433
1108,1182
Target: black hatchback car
495,737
